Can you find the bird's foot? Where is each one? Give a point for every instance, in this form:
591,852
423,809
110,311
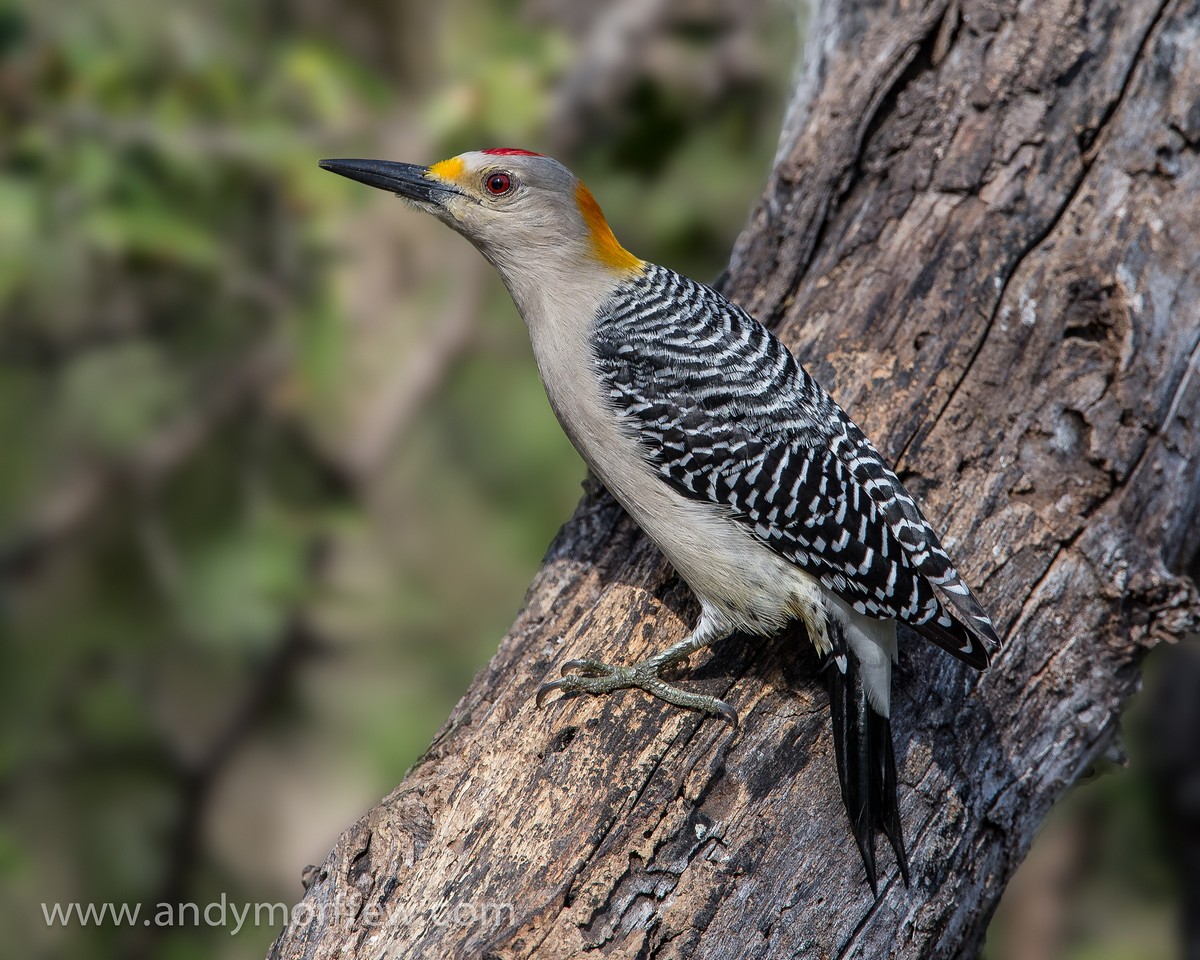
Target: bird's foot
592,676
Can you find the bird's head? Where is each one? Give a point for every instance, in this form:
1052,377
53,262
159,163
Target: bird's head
526,213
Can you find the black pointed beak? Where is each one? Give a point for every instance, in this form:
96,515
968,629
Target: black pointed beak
408,180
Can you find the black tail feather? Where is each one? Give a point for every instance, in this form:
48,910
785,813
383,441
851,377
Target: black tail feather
889,812
866,764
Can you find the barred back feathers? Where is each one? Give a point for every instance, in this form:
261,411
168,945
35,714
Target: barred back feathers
725,414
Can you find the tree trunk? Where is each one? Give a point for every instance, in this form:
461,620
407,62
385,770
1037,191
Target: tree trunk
980,234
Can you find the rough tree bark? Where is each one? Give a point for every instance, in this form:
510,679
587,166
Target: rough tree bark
981,234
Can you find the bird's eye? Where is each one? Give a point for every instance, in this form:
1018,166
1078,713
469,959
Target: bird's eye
498,184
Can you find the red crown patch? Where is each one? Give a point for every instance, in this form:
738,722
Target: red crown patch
511,152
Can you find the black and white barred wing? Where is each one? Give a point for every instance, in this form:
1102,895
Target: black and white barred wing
726,415
922,548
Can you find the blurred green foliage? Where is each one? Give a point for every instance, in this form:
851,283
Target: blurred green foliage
224,630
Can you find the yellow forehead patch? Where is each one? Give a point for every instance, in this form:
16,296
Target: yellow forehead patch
605,246
451,169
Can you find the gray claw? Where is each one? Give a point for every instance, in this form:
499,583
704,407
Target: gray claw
726,713
546,689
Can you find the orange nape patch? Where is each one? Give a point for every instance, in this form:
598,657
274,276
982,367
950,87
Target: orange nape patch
605,246
451,170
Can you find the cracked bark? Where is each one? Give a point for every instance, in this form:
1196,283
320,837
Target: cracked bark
980,234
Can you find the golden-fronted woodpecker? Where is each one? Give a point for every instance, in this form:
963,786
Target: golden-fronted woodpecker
767,499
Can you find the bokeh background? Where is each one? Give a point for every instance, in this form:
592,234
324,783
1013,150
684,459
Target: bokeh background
276,467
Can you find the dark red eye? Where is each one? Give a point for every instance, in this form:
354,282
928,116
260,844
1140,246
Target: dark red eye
498,183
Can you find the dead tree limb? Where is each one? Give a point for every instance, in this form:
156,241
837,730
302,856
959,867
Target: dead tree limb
981,234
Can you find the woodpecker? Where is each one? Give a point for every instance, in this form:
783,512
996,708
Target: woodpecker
767,499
